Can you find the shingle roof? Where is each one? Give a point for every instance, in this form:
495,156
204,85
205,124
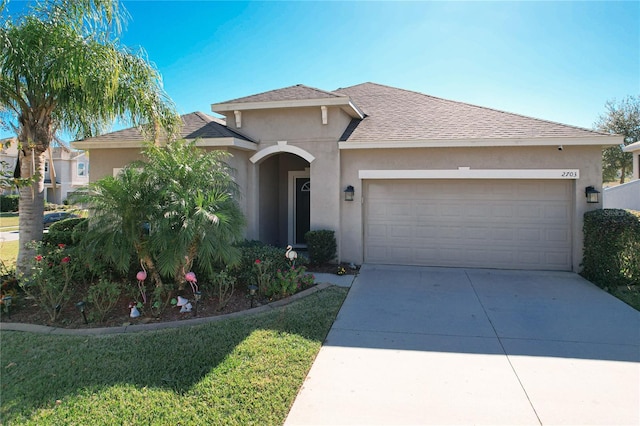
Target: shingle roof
291,93
398,114
194,125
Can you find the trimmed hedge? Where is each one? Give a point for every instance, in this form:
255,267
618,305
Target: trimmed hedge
9,203
612,248
322,246
250,251
62,232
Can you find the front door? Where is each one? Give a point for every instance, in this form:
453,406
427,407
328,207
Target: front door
302,202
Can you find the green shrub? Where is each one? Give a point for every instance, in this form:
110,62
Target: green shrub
222,286
289,281
611,248
9,203
103,297
51,281
62,232
322,246
250,251
79,230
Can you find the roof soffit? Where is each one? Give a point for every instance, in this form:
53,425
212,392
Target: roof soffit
345,103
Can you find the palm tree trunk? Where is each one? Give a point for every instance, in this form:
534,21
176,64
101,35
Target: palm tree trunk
31,205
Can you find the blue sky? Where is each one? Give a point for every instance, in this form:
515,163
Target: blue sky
559,61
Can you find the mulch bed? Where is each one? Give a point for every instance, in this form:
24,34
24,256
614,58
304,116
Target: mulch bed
25,310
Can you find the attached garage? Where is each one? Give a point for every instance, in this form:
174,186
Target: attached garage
488,223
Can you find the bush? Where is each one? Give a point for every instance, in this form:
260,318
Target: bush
79,230
103,297
250,251
222,285
611,248
50,282
9,203
62,232
322,246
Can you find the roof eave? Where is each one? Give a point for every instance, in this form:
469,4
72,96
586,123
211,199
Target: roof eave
632,147
344,101
230,142
597,140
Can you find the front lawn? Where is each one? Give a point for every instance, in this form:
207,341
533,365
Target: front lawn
8,221
9,252
238,371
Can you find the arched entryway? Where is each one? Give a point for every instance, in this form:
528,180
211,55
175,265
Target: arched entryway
284,194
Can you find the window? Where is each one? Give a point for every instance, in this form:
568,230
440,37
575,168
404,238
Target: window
81,169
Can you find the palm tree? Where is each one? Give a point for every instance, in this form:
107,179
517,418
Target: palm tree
177,207
62,68
200,218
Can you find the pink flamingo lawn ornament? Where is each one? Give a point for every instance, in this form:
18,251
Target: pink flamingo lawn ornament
190,277
141,276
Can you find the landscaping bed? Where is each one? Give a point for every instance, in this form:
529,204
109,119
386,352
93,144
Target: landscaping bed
25,310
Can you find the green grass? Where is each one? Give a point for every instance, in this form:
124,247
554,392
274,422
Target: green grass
630,296
8,221
236,372
9,252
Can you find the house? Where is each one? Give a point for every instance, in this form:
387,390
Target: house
71,169
634,149
626,195
400,176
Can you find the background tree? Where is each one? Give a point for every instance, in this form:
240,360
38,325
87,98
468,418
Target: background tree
62,68
622,118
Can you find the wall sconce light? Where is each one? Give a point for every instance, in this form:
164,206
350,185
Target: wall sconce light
592,194
348,193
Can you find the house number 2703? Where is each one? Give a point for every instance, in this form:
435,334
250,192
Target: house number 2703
569,174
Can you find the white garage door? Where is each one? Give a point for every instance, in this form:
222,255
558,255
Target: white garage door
511,224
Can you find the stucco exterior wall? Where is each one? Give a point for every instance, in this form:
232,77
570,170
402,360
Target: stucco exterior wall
586,159
300,128
300,124
103,161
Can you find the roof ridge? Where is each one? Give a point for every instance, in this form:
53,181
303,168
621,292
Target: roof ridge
478,106
206,117
328,92
281,89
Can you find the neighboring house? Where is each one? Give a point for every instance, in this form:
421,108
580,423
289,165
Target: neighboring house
8,159
71,170
634,149
626,195
435,182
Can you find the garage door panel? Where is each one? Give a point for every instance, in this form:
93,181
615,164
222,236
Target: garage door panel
479,223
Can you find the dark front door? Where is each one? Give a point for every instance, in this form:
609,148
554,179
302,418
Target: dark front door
302,208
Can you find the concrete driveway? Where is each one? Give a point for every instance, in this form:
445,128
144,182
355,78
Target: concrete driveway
417,346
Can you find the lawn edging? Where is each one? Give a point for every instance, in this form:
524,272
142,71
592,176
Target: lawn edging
136,328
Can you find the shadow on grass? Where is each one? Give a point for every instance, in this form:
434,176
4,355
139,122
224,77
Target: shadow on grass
38,370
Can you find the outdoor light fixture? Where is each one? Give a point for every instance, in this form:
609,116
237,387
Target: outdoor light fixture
80,306
348,193
6,302
252,293
592,194
198,296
